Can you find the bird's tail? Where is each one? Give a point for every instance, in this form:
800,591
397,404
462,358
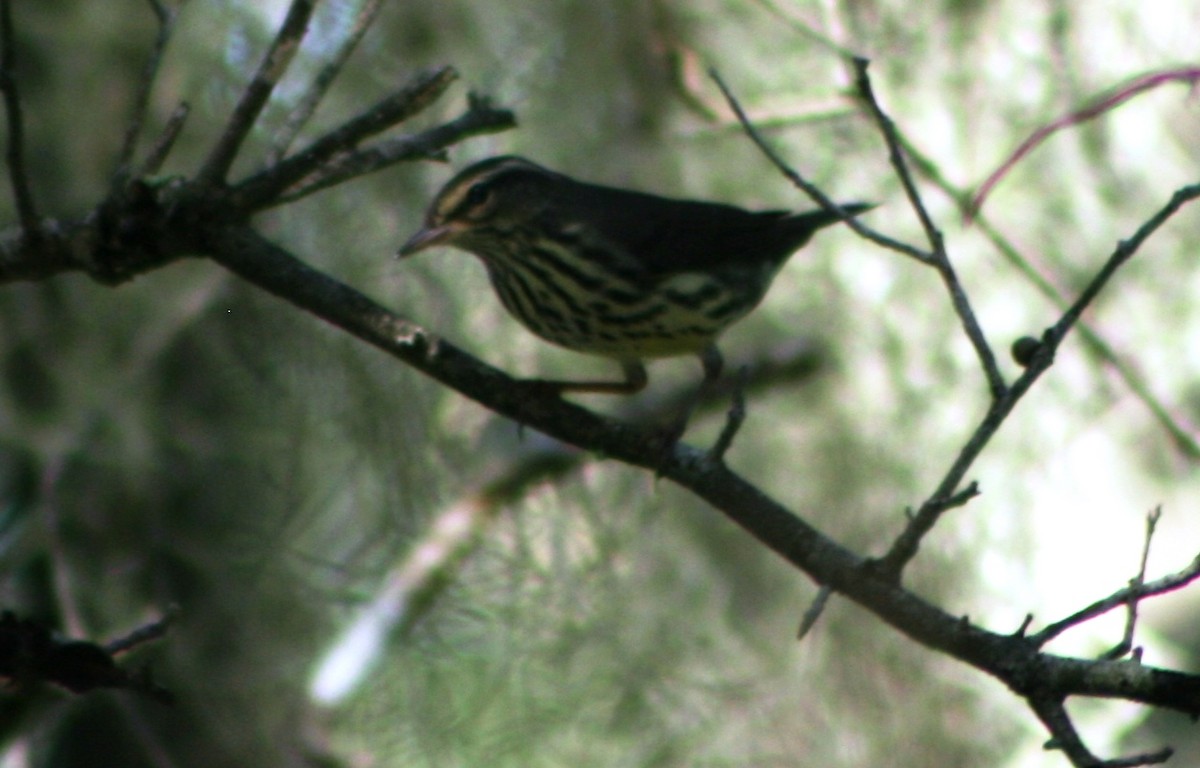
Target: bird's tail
822,218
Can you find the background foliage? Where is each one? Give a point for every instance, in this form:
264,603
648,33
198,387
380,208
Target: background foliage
186,440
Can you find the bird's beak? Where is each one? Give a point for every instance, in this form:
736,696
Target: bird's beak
427,237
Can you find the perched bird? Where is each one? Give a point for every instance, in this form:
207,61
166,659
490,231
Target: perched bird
612,272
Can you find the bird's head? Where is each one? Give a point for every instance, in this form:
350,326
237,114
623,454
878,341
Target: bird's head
483,204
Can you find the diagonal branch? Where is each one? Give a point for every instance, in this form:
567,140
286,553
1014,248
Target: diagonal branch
1066,739
1125,251
941,259
254,98
1098,106
1011,658
308,103
165,142
166,25
1184,440
419,93
1131,594
480,118
187,217
905,546
15,152
808,187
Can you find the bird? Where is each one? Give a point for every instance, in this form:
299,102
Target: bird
611,272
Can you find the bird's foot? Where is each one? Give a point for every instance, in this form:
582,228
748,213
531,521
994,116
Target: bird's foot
664,439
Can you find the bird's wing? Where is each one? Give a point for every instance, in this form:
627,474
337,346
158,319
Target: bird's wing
666,236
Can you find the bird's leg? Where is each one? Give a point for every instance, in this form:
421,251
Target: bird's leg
713,364
733,419
635,381
712,361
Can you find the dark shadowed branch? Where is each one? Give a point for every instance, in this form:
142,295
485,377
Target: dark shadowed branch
905,546
270,71
133,131
307,104
15,151
480,118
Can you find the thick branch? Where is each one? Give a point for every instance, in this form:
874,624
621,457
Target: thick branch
55,249
1011,658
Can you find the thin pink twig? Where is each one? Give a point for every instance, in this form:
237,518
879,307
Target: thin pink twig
1099,106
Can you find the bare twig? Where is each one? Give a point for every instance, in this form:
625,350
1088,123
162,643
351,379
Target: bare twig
1132,594
941,259
1135,585
480,118
809,620
143,634
734,418
808,187
1098,106
166,25
1125,251
419,93
254,98
1065,738
307,104
905,546
1184,440
165,141
955,500
15,152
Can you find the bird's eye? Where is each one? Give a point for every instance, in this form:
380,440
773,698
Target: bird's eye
477,196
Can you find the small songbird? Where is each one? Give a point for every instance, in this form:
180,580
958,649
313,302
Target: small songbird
612,272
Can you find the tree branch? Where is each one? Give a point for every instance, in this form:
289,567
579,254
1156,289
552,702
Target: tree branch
15,152
166,25
479,119
1012,658
147,226
941,259
425,88
274,65
1182,437
308,103
1123,597
803,184
905,546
